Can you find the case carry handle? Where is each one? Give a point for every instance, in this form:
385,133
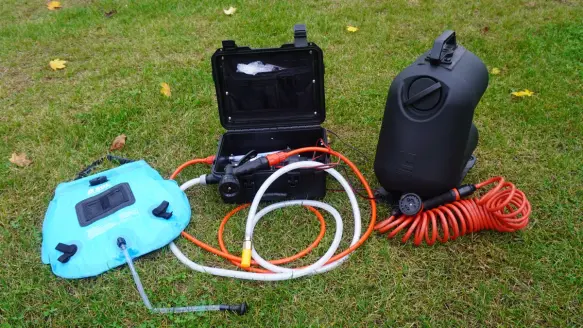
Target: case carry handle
300,35
229,45
446,41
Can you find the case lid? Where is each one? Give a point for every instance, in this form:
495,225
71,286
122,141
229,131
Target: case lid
290,93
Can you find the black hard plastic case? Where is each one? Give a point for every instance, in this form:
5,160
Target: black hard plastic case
272,111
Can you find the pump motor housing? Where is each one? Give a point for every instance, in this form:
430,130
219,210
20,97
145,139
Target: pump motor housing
427,136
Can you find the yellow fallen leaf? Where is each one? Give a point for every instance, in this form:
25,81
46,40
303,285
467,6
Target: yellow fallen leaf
118,142
495,71
53,5
165,90
350,28
57,64
230,11
523,93
20,159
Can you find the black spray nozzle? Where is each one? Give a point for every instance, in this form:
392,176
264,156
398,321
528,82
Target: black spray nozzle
240,309
229,185
410,204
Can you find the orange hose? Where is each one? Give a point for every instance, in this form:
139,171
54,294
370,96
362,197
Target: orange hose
504,208
223,252
275,159
278,157
208,160
278,261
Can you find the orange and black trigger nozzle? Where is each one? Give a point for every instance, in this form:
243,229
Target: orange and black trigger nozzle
410,203
449,196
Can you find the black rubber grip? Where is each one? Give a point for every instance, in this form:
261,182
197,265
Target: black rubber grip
252,166
240,309
449,196
446,197
466,190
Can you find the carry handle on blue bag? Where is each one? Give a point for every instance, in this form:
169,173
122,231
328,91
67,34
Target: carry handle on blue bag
112,158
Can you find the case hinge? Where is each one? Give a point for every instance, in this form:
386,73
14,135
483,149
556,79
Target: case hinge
229,45
300,35
293,127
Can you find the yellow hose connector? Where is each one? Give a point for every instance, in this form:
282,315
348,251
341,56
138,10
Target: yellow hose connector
246,254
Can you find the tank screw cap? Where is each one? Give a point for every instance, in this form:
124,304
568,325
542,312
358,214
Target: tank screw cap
410,204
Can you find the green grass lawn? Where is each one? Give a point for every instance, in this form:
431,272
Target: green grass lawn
65,119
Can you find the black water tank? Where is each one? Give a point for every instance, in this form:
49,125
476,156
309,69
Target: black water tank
427,136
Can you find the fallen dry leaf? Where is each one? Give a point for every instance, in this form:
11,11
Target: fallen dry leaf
20,159
485,29
523,93
495,71
110,13
350,28
118,142
530,4
57,64
53,5
165,90
230,11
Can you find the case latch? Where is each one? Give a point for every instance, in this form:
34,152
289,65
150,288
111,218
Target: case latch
229,45
300,35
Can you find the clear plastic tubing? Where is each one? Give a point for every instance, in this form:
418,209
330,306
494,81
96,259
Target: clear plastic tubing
240,309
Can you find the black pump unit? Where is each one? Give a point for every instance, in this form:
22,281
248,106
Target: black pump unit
427,136
267,112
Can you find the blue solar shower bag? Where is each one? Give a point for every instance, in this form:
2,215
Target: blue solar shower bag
88,215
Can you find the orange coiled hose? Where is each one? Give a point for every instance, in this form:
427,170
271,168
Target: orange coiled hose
504,208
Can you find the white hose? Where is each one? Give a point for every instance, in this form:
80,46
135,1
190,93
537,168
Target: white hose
282,273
